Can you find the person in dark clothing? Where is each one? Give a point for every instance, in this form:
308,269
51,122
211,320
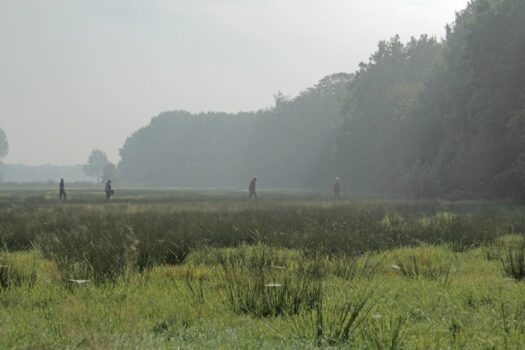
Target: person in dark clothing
62,190
337,188
251,188
109,191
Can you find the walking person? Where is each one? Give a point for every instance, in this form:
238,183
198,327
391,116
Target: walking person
251,188
62,190
336,187
109,191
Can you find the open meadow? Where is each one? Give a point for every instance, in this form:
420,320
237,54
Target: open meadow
189,269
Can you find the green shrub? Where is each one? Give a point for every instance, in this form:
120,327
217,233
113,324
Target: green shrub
513,261
256,286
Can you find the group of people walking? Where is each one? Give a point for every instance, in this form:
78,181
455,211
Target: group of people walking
336,188
62,190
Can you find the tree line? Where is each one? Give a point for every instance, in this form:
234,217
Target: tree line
429,119
287,146
425,118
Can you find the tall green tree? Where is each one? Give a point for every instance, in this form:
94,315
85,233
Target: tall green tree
475,102
371,146
430,119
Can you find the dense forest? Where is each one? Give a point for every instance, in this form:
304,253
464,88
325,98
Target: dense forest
289,145
181,149
427,118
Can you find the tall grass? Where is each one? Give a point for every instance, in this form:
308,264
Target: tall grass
513,261
378,333
335,319
271,274
433,263
510,251
257,283
14,275
101,241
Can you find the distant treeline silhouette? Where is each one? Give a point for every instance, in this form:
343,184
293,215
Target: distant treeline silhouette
289,145
426,118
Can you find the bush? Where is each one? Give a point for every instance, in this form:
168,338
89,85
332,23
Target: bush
513,261
259,287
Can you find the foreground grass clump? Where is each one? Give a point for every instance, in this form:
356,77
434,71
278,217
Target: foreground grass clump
434,263
15,272
336,318
259,281
513,261
510,251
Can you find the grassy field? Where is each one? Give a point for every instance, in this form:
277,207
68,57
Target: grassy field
181,269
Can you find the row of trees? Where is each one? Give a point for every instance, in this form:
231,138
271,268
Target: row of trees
377,125
426,118
476,97
181,149
287,146
447,119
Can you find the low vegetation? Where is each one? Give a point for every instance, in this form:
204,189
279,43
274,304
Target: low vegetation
216,271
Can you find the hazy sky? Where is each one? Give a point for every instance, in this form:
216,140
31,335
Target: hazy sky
78,75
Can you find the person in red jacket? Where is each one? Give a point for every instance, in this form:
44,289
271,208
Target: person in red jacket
337,188
251,188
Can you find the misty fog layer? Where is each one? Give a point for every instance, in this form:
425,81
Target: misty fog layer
424,119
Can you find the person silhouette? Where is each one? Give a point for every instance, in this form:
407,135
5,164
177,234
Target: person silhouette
336,187
251,188
109,191
62,190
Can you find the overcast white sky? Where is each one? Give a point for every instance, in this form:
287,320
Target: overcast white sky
77,75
